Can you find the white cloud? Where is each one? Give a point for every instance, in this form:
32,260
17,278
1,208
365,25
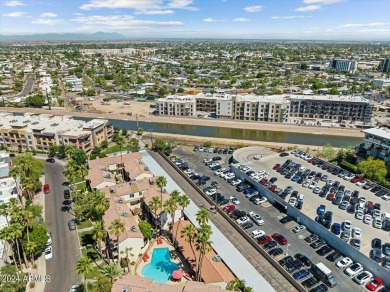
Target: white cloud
374,30
48,14
308,8
78,14
290,17
241,19
372,24
256,8
15,14
48,21
139,5
182,4
322,1
212,20
155,12
14,3
122,22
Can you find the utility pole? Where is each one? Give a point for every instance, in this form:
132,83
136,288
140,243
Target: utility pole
151,137
136,117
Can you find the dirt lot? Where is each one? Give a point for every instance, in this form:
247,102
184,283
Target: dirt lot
114,107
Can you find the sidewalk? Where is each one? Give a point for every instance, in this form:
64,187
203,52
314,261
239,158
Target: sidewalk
41,262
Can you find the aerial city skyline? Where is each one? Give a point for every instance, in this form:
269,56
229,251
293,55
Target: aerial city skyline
249,19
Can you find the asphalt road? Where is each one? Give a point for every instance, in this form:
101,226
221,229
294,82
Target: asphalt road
65,246
270,216
28,86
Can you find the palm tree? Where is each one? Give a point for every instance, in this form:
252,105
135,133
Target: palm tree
17,233
101,202
175,195
4,211
203,245
117,227
161,183
202,216
154,205
69,150
84,267
236,285
127,251
112,271
189,234
98,234
31,249
7,234
170,207
120,142
183,202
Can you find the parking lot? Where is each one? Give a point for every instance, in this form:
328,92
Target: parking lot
269,214
312,200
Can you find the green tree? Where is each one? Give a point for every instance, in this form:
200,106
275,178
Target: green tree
117,227
125,133
111,271
161,183
79,156
170,206
104,144
373,168
162,145
189,235
236,285
53,149
327,152
102,284
91,92
99,233
140,131
84,267
203,216
202,245
38,235
154,205
31,249
37,100
13,273
146,230
334,91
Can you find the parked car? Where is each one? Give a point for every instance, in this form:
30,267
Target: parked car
72,224
353,270
301,274
256,218
304,259
257,233
275,252
299,228
286,219
374,284
264,239
279,238
343,263
333,256
324,250
318,243
46,188
48,253
229,208
311,238
363,278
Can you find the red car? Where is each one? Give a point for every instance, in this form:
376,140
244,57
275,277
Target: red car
370,204
279,238
272,188
374,284
356,179
229,208
46,188
276,167
264,239
263,181
311,160
330,197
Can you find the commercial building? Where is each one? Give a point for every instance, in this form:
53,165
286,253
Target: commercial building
376,144
330,107
273,108
343,65
39,131
384,65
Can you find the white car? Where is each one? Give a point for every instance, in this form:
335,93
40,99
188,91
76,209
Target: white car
330,182
211,192
312,185
206,160
242,220
356,233
234,200
343,263
236,182
347,225
361,183
74,288
49,240
377,223
349,176
353,270
259,201
376,213
363,278
230,176
359,214
189,171
257,233
367,219
256,218
317,190
48,253
386,197
299,228
292,201
306,184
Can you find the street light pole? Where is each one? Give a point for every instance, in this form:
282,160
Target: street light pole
287,248
151,137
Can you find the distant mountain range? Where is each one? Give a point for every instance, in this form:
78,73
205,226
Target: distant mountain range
97,36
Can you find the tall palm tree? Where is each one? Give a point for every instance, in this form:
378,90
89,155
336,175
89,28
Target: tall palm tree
202,216
161,183
183,202
17,233
4,211
203,245
84,267
101,202
7,234
120,142
127,251
112,271
189,235
99,233
154,205
69,150
170,206
31,249
236,285
117,228
175,195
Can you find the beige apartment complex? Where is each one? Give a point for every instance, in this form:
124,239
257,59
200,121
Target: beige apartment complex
269,108
39,131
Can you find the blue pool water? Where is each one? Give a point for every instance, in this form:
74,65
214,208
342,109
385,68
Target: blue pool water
160,268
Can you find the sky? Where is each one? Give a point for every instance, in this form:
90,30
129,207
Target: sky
242,19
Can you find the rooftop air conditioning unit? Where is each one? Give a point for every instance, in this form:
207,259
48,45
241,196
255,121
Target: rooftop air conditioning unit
112,190
133,228
124,214
125,289
146,168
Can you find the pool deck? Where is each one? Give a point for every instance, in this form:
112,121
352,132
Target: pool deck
176,257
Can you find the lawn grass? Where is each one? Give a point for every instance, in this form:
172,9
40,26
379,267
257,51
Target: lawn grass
81,186
84,224
86,238
116,148
94,273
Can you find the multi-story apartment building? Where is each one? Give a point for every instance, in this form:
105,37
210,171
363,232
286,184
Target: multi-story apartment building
38,132
336,108
384,65
376,144
343,65
176,106
4,164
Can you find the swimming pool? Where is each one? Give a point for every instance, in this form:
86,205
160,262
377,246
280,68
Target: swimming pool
161,267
